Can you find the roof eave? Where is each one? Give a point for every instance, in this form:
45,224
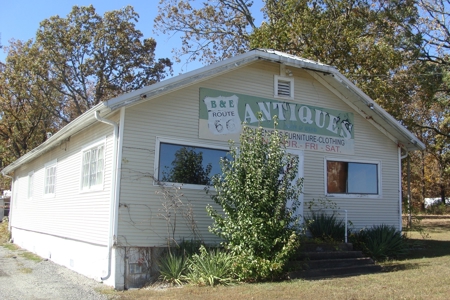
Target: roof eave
213,70
59,137
407,140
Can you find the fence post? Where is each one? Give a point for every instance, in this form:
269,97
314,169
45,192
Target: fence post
346,226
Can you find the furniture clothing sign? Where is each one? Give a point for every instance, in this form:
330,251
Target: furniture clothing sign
307,127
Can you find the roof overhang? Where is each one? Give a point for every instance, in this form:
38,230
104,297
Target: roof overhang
326,74
63,135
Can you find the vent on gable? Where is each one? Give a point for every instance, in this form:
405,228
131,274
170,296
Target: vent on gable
284,87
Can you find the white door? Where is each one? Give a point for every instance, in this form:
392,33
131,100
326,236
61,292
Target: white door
299,210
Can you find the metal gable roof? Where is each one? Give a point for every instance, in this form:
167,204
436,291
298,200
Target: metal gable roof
327,75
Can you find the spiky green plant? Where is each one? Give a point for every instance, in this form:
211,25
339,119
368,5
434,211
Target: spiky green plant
381,242
326,227
172,268
211,267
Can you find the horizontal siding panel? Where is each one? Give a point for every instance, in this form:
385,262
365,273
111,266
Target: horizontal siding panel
70,214
175,116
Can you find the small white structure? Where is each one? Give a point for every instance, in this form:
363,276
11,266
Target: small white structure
4,204
90,197
432,201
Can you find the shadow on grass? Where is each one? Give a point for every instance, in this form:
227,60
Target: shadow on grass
400,267
420,248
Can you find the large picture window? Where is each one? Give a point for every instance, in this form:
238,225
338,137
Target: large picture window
345,177
93,164
188,164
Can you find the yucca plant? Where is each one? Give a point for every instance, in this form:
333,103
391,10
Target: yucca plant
325,226
210,267
172,268
381,242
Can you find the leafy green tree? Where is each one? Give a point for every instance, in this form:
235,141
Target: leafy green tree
187,167
257,224
24,122
365,40
211,30
86,58
73,64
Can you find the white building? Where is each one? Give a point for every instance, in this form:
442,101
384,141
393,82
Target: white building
87,198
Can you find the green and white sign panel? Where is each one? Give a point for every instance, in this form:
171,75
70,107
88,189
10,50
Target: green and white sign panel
307,127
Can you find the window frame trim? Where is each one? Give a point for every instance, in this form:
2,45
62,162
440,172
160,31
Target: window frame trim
349,160
50,164
181,142
97,187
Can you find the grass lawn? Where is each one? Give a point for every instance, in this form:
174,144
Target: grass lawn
424,274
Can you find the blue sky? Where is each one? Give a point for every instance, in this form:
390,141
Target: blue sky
19,19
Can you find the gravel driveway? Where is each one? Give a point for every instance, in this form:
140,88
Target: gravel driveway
25,279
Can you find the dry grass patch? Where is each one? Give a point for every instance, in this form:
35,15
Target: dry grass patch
422,275
30,256
10,246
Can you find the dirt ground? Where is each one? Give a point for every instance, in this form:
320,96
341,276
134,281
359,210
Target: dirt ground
25,278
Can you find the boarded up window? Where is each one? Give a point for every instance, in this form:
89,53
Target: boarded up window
336,177
352,178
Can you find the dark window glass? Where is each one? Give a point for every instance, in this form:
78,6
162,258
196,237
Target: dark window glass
352,178
188,164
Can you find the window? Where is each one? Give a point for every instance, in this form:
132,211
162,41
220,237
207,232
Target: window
188,164
30,184
284,87
92,168
352,178
50,178
136,268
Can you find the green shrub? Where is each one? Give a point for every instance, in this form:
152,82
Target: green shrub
211,267
325,227
252,191
381,242
438,208
172,268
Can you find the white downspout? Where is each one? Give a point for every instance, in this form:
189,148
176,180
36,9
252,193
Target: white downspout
400,183
114,197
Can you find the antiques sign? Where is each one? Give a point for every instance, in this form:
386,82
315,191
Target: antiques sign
307,127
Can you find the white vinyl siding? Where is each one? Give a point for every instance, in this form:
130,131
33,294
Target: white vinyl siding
175,116
50,179
68,213
92,167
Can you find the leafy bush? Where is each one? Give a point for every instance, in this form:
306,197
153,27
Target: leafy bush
211,267
4,232
172,268
381,242
438,208
253,191
325,226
